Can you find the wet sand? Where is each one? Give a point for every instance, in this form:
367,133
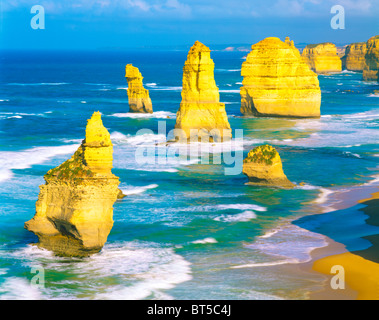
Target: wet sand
361,267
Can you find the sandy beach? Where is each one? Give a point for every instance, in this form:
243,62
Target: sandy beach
361,267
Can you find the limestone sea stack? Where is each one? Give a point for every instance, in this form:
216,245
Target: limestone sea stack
139,99
74,210
263,167
354,58
200,109
371,69
277,82
322,58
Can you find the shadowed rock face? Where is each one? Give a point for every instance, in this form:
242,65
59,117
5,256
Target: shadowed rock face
263,167
200,109
354,58
74,211
139,100
371,69
322,58
277,82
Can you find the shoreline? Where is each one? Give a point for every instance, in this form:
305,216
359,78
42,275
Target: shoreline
361,272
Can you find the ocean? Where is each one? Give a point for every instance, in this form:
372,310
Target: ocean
186,230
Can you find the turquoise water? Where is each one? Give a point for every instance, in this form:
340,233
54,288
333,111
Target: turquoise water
186,230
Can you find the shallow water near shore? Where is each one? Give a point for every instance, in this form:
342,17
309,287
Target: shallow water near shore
185,230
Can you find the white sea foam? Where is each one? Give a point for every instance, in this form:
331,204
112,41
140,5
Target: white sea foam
269,234
245,208
373,95
373,182
240,217
166,88
97,84
26,158
230,91
152,84
157,161
126,270
356,155
240,207
15,117
130,190
38,84
15,288
286,244
156,115
155,154
337,131
198,148
158,169
348,71
118,137
369,83
205,241
266,264
227,70
367,115
154,270
324,195
8,115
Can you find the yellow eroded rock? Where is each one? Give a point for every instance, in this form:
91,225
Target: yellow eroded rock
277,82
74,211
263,167
200,109
371,69
354,58
139,99
322,58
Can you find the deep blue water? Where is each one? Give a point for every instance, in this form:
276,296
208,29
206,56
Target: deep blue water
186,230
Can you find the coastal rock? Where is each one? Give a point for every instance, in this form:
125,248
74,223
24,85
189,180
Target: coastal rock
277,82
341,51
371,69
74,211
322,58
263,167
200,109
354,58
139,99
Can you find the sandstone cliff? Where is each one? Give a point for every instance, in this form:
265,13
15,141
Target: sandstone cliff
263,167
139,99
200,109
277,82
354,58
74,211
371,69
322,58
